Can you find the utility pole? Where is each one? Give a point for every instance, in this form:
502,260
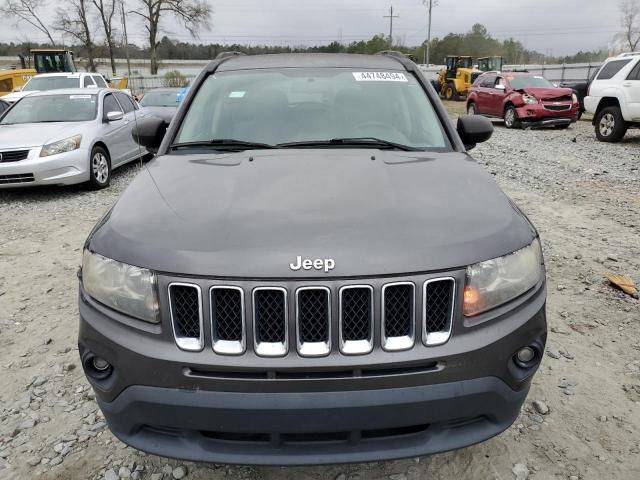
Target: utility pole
126,38
427,51
391,16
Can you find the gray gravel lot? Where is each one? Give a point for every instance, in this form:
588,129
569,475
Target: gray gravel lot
582,419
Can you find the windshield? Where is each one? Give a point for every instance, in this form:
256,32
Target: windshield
518,83
307,105
52,108
50,83
161,99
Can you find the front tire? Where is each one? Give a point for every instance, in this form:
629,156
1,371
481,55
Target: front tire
471,108
511,117
610,125
99,168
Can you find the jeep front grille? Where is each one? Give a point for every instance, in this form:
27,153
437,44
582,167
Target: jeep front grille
313,320
270,321
227,320
398,311
185,304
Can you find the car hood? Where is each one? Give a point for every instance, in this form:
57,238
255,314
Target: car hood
251,214
547,93
30,135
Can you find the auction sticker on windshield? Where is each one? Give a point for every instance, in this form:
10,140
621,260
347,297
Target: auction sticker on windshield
379,77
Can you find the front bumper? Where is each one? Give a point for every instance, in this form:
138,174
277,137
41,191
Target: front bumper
291,410
538,116
62,169
312,428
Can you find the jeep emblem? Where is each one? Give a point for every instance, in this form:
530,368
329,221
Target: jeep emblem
326,264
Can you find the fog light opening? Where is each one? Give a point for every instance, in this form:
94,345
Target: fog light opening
97,367
526,357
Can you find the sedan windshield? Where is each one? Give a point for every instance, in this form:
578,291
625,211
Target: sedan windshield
52,108
161,99
518,83
281,107
50,83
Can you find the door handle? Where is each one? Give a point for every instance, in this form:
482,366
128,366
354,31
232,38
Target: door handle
627,84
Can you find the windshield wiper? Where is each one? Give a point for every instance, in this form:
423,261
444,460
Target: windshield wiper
348,142
223,143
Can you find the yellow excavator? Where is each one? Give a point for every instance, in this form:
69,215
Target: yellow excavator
45,60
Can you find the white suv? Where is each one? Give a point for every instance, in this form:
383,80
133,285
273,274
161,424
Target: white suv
614,97
56,81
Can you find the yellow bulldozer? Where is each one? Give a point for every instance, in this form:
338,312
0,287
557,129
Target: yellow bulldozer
459,74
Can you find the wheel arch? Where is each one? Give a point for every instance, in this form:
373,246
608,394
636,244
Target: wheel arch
604,103
101,144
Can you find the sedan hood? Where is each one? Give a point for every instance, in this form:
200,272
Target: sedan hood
30,135
251,214
548,93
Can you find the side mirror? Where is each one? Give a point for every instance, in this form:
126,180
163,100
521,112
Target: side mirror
500,87
149,133
17,89
474,129
114,116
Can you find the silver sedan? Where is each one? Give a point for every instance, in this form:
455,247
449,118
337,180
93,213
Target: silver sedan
68,136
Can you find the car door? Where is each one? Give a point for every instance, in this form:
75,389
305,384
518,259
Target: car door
133,150
114,132
484,90
631,89
496,98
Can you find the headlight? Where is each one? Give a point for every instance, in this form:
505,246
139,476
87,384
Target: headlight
127,289
66,145
495,282
529,99
574,97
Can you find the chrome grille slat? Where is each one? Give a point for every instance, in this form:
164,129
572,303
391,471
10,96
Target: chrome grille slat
356,319
227,320
270,321
185,306
17,178
398,315
437,309
313,320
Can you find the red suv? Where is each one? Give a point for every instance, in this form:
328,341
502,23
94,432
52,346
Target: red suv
522,100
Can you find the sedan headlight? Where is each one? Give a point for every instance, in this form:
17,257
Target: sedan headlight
127,289
495,282
529,99
66,145
574,97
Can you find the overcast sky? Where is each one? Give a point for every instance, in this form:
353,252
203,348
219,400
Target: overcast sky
555,27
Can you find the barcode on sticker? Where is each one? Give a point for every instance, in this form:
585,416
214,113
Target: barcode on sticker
379,77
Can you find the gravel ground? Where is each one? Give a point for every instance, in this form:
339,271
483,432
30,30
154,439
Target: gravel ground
582,419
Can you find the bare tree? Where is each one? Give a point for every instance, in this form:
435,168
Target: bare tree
74,20
106,10
630,16
193,14
28,11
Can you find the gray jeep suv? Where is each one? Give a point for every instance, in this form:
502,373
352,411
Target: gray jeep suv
312,270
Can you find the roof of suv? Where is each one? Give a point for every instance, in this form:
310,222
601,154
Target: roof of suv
310,60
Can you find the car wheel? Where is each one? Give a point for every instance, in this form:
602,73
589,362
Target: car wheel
610,125
99,168
511,118
471,108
